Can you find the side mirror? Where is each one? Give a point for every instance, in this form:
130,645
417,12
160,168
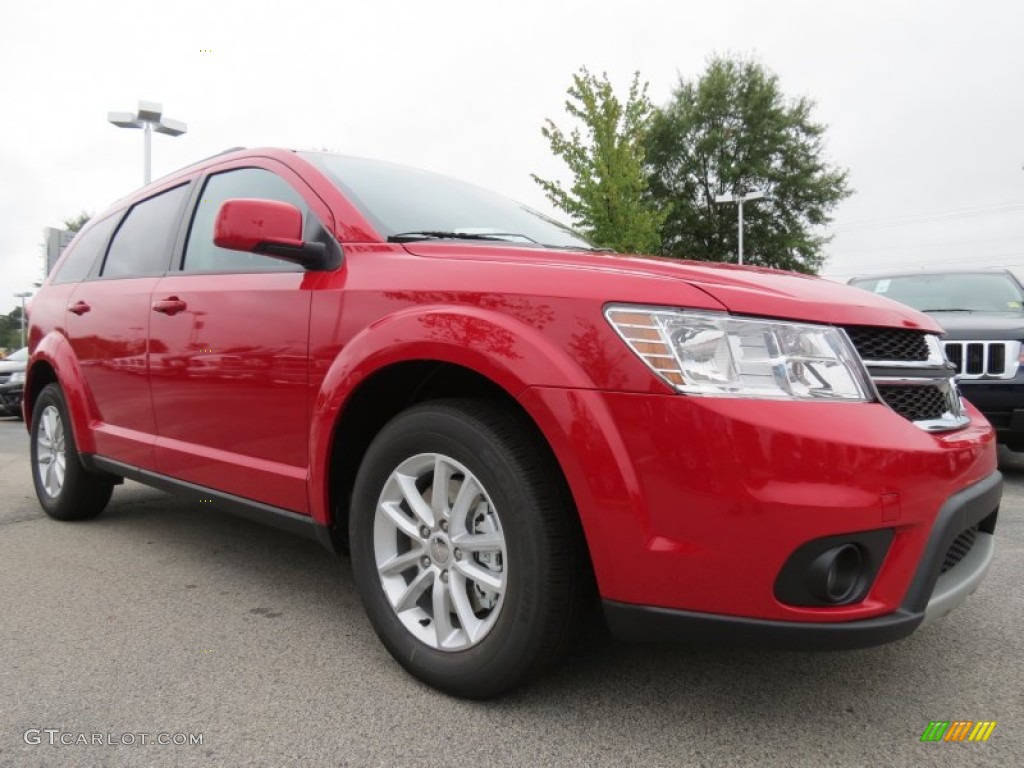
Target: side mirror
266,226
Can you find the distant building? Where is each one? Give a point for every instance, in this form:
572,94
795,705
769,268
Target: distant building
56,241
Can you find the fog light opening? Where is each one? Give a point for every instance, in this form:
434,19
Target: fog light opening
836,573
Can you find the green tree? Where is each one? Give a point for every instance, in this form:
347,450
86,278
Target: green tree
606,200
10,329
75,223
5,332
732,131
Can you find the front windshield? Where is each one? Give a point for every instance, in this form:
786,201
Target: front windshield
402,201
964,292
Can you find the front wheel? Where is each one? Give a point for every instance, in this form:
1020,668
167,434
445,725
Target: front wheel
466,548
65,489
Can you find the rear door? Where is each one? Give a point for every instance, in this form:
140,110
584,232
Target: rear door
228,355
107,325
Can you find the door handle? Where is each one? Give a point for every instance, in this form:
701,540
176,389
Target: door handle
172,305
79,308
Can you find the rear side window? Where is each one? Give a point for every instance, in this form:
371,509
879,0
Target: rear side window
201,255
143,243
83,254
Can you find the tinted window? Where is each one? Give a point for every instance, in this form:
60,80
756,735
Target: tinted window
82,254
142,245
397,200
201,255
955,292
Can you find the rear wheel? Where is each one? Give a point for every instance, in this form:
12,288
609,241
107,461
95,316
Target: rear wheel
65,489
466,549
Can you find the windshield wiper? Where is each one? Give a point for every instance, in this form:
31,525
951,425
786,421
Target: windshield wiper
501,237
950,309
588,248
438,234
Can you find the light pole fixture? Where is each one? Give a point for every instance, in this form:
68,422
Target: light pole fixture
23,295
754,194
150,118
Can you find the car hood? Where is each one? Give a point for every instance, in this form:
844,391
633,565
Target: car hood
742,290
10,366
980,325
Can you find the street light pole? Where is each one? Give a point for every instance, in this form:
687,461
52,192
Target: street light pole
740,243
148,152
150,118
23,295
755,194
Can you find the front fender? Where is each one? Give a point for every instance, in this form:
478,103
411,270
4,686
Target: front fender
506,351
55,350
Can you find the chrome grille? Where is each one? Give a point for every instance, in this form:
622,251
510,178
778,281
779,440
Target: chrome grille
911,375
889,344
958,550
984,359
916,403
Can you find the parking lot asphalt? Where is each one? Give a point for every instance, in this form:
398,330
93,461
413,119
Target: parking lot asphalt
165,620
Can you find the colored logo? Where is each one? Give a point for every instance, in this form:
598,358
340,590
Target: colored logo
958,730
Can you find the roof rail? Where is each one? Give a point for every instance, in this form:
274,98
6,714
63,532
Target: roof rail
217,154
197,162
229,150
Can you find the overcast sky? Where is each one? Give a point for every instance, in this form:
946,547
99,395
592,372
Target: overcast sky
924,100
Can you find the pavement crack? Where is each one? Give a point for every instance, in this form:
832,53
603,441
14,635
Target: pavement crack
22,520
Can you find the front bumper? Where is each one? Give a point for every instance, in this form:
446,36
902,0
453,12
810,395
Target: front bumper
692,507
1002,403
10,397
932,594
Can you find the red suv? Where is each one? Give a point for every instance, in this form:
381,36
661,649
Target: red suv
499,421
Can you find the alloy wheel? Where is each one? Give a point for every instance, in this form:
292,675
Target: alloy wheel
440,552
51,455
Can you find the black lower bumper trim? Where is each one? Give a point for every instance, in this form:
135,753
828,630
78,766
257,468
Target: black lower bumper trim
971,506
640,623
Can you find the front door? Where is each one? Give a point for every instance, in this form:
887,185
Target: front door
228,356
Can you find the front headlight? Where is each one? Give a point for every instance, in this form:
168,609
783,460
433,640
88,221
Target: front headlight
711,353
18,377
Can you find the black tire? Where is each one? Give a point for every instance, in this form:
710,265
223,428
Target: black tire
549,585
82,494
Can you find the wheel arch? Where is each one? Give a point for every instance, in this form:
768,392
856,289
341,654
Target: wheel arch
442,350
377,399
54,361
397,362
